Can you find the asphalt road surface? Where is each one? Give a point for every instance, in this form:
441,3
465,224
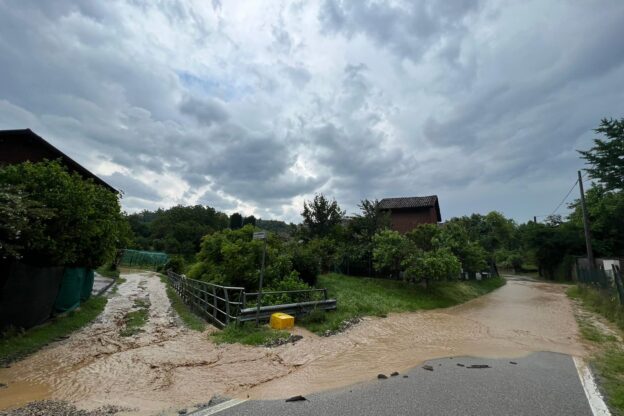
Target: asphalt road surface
539,384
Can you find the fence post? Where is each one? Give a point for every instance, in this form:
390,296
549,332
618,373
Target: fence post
227,307
214,303
618,283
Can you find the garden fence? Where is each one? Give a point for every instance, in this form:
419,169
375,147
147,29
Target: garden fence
223,305
138,258
604,280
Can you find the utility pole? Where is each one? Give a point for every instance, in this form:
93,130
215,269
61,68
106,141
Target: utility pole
590,252
261,235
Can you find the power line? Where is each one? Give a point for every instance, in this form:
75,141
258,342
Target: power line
565,197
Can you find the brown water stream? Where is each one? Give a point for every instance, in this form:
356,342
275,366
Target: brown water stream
168,367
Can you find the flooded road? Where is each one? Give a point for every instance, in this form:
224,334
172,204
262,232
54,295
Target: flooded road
168,367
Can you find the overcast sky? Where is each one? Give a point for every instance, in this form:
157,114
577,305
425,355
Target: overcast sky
254,106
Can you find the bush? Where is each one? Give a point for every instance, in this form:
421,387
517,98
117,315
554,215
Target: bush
233,258
435,265
389,250
176,264
83,225
305,262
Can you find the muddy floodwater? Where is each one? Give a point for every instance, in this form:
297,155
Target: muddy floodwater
168,367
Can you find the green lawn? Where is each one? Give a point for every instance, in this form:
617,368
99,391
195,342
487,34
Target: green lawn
608,361
365,296
17,346
185,313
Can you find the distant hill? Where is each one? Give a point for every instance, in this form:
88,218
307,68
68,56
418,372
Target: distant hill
275,226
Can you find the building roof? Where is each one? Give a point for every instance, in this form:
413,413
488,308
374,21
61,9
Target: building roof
17,146
411,202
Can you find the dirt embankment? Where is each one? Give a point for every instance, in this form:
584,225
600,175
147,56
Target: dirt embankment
168,367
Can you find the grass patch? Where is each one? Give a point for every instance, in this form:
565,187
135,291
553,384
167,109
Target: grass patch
118,282
17,346
603,303
608,362
365,296
107,270
135,320
248,334
185,313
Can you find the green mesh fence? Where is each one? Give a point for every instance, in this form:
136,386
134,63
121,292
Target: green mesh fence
71,288
137,258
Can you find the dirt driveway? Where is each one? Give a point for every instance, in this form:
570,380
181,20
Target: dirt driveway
167,367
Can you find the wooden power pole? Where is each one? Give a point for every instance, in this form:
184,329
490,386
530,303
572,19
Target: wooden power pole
590,252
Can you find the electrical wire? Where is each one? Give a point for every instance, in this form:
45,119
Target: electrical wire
565,197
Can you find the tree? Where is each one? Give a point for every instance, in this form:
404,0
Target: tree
233,258
425,236
21,222
236,221
454,237
390,248
357,250
84,227
606,157
431,265
606,213
250,220
321,215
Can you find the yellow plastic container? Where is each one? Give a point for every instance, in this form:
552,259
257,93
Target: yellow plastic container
281,320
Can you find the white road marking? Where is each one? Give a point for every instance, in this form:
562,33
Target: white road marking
218,408
596,402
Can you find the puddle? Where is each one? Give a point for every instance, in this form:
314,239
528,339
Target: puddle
167,367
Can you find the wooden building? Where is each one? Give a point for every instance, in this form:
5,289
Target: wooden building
409,212
17,146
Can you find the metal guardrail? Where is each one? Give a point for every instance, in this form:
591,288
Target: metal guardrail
220,304
226,304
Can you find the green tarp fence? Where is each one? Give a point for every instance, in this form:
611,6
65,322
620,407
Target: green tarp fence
27,294
143,258
87,285
71,289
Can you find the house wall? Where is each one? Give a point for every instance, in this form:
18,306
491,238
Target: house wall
405,220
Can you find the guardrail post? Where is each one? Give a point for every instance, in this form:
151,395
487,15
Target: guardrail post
214,303
227,306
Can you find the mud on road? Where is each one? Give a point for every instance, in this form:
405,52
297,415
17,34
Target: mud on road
168,367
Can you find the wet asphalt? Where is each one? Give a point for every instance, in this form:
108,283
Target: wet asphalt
539,384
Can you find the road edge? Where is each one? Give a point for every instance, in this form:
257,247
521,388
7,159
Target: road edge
594,398
218,408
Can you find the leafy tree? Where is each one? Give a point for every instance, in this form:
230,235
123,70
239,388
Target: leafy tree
233,258
177,230
321,216
390,249
425,236
606,157
250,220
606,214
236,221
432,265
357,247
276,226
550,243
21,222
454,237
84,227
